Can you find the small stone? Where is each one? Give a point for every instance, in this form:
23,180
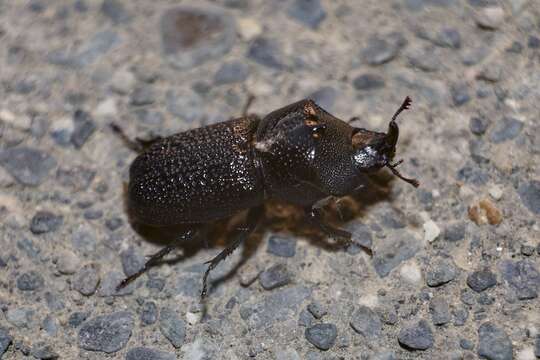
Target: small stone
123,81
490,18
467,296
481,280
317,309
460,94
274,277
522,277
506,129
536,347
149,313
54,301
455,232
485,212
515,48
86,280
114,223
441,272
249,28
308,12
109,284
50,325
22,317
527,250
132,261
394,249
448,37
431,231
75,178
43,351
366,322
325,97
84,240
495,192
305,318
478,125
425,59
411,273
466,344
143,353
143,95
322,336
460,314
106,333
17,121
494,343
416,336
184,104
84,127
533,42
529,193
5,341
281,246
231,72
266,52
106,109
30,281
28,166
172,327
114,10
366,82
440,311
77,318
381,50
491,72
45,221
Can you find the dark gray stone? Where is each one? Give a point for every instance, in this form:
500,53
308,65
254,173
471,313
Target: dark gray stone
485,299
193,35
522,277
472,175
391,251
533,42
84,240
22,317
149,117
275,276
460,94
84,127
305,318
115,10
536,347
283,246
155,284
142,95
478,125
29,247
149,313
106,333
86,280
529,193
231,72
527,250
440,311
466,344
448,37
317,309
54,301
28,166
77,318
494,343
45,221
93,214
426,59
467,296
132,261
506,129
323,336
455,232
5,341
172,327
366,322
143,353
42,350
367,82
266,52
114,223
416,336
30,281
50,325
362,237
382,49
308,12
481,280
325,97
460,314
75,178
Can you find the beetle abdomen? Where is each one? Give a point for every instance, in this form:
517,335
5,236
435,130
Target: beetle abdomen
196,176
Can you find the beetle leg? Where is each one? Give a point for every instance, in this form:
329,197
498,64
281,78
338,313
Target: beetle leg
138,145
242,233
247,105
154,259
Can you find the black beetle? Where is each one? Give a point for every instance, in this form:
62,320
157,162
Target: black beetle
300,154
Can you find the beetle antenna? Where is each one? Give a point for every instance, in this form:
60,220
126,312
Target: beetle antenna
392,168
406,105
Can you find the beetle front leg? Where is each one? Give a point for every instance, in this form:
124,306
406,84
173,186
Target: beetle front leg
315,217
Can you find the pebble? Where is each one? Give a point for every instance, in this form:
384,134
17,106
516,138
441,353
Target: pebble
267,52
45,221
394,249
308,12
325,97
416,336
490,18
426,59
366,82
123,81
75,178
536,346
5,340
231,72
275,276
466,344
115,11
185,104
481,280
132,261
381,50
305,318
107,286
322,336
84,127
522,277
460,314
149,313
142,95
17,121
460,94
282,246
106,333
440,311
30,281
144,353
29,247
366,322
248,28
455,232
106,109
172,327
22,317
42,350
77,318
287,354
50,325
86,280
506,129
494,343
478,125
317,309
29,166
54,301
533,42
496,192
83,239
410,272
448,37
192,35
529,193
431,231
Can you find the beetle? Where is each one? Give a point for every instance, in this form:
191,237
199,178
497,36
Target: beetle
299,153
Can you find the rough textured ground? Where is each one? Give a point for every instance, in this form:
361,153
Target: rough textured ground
455,271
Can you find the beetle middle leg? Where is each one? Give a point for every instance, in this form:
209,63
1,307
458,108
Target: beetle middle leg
253,217
138,145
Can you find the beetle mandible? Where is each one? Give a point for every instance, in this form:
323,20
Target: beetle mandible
300,154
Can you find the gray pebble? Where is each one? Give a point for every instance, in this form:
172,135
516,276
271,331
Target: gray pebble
506,129
362,237
50,325
323,336
143,95
325,97
441,272
275,276
28,166
68,263
305,318
231,72
472,175
455,232
391,251
527,250
77,318
416,336
5,341
45,221
381,49
478,125
172,327
308,12
529,193
89,52
536,347
22,317
426,59
533,42
143,353
42,350
54,301
84,127
494,343
388,315
460,314
366,322
149,313
460,94
30,281
467,296
86,280
448,37
466,344
368,82
184,104
84,240
485,299
93,214
76,178
29,247
522,277
106,333
267,52
132,261
114,223
156,284
283,246
114,10
440,311
149,117
481,280
317,309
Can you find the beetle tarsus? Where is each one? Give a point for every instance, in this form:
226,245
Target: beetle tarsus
138,145
411,181
406,105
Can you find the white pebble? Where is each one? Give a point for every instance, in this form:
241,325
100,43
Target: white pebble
431,231
68,262
411,273
193,318
526,354
106,108
248,28
123,81
17,121
495,192
490,17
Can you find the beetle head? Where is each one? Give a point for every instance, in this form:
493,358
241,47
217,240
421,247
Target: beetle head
374,150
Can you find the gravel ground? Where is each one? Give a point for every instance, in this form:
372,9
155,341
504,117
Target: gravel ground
455,266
